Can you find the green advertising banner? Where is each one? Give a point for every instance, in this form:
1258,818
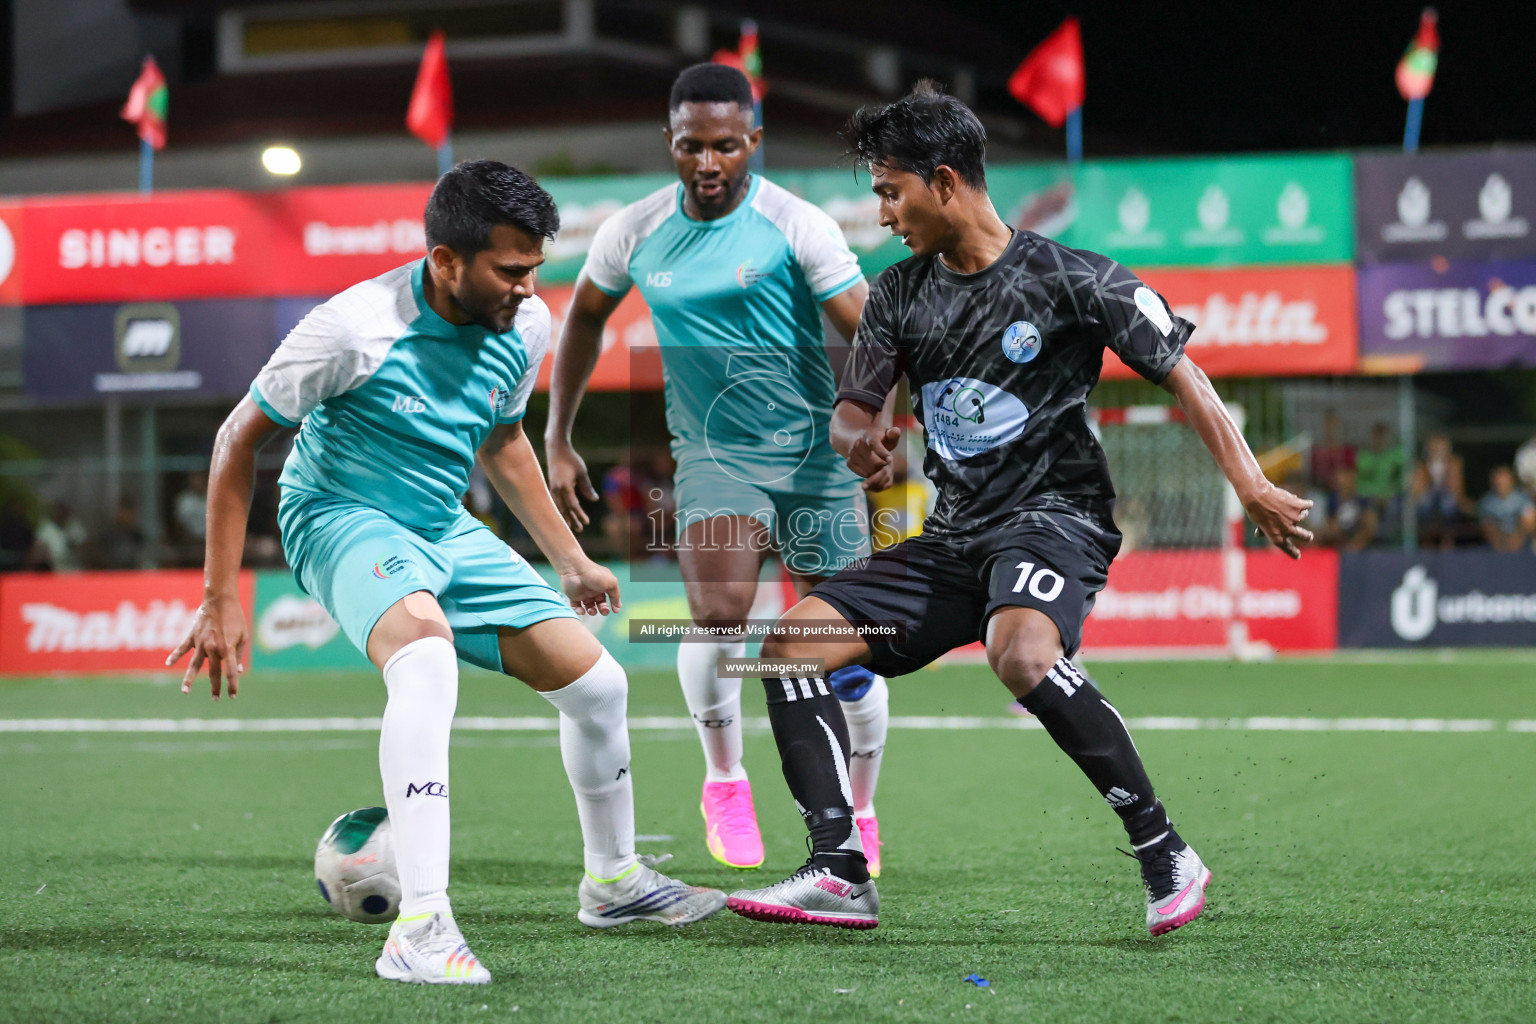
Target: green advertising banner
1217,212
294,632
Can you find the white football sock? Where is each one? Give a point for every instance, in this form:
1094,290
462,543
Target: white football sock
715,705
868,719
423,683
594,744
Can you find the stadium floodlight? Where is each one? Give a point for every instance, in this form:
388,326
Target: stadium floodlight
282,160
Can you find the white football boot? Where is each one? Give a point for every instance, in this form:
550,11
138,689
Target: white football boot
1175,879
428,949
644,894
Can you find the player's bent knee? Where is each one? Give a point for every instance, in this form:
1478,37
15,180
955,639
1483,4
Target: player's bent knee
1021,666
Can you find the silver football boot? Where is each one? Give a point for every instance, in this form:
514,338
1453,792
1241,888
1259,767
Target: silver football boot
1175,879
812,895
644,894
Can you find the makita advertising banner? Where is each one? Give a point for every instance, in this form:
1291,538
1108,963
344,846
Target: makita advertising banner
1153,213
1170,600
1475,205
1277,321
1447,315
98,621
1463,598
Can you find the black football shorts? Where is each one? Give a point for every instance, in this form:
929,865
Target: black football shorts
944,589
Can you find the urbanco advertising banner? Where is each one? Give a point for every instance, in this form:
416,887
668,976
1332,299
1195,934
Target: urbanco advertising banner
1180,599
1214,212
1272,321
1447,315
1475,205
1459,598
99,621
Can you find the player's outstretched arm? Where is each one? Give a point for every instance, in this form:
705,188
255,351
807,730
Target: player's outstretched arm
581,342
513,470
1276,511
218,635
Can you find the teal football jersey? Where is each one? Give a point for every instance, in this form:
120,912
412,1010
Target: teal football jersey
393,401
736,307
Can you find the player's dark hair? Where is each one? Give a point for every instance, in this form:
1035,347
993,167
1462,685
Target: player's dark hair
711,83
479,195
925,128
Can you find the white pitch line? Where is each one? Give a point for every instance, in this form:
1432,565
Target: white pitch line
670,724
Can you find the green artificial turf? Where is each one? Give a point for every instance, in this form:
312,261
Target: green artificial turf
1358,876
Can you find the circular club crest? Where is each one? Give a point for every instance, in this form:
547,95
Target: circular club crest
1021,341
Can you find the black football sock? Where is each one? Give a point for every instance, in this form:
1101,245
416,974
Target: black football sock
1092,733
812,735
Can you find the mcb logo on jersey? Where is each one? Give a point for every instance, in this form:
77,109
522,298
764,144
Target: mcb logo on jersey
1021,341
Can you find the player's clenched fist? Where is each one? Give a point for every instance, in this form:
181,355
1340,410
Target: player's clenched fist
872,450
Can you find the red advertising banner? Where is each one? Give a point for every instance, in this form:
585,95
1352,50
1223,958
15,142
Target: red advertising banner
189,245
1278,321
99,621
630,358
10,257
327,239
1179,599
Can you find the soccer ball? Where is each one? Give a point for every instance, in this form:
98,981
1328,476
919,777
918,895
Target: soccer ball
355,867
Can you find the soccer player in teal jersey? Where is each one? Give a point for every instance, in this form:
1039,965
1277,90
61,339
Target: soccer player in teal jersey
737,272
396,384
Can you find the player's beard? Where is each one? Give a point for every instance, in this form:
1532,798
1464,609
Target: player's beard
731,194
486,313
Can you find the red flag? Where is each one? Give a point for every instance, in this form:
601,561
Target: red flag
746,59
1051,79
147,102
430,115
1416,71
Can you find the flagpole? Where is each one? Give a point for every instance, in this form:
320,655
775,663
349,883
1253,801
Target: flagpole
146,167
445,156
1411,129
1075,135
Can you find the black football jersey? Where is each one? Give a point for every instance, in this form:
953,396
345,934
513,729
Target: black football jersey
1000,363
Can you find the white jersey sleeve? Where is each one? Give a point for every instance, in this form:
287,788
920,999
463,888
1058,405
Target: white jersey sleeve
615,241
830,267
334,349
533,327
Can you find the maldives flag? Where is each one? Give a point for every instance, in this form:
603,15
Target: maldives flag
430,115
1416,71
747,59
1051,79
147,102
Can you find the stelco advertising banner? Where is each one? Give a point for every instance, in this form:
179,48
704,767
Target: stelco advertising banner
1477,205
1437,599
1277,321
1447,315
98,621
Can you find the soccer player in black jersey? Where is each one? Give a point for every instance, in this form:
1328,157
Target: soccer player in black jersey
1001,336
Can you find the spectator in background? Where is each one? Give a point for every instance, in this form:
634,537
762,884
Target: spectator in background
60,541
1380,469
1331,454
16,534
1351,519
1440,494
624,508
1507,515
189,519
121,544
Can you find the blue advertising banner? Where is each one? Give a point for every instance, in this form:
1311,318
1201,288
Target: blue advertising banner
1468,598
1475,205
1448,315
202,348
